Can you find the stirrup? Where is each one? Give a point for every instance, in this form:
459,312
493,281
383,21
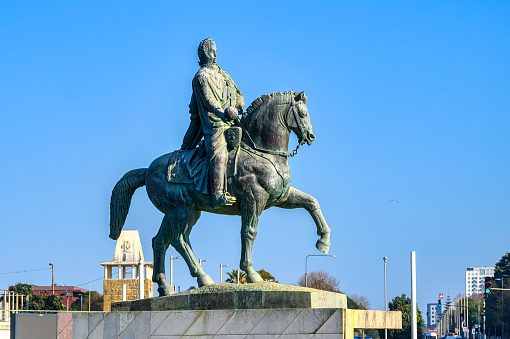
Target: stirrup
223,199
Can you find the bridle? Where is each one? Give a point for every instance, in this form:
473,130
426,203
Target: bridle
299,123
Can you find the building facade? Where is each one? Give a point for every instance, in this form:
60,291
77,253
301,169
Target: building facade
475,279
68,293
432,313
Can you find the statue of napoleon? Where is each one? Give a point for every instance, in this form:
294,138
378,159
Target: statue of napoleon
214,91
227,164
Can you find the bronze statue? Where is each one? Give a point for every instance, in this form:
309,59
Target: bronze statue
213,92
255,148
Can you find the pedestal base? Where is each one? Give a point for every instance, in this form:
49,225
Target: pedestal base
264,295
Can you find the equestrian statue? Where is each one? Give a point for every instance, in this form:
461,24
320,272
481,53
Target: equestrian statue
231,162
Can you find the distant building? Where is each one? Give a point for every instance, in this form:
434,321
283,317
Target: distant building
475,279
124,269
432,313
59,290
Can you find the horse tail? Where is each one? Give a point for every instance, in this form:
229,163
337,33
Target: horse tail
121,199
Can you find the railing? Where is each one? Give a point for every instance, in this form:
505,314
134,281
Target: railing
11,302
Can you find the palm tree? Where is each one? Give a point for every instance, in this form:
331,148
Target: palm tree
232,277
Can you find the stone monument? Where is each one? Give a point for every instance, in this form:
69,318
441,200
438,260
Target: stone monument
127,261
231,162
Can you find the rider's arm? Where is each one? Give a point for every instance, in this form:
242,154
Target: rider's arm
203,89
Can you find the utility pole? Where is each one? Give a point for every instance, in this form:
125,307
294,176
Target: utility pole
385,259
52,280
414,327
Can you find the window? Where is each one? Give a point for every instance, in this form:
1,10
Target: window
481,271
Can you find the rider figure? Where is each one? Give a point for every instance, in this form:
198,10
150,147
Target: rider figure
213,92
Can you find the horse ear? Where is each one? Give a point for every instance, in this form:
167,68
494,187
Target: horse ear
301,96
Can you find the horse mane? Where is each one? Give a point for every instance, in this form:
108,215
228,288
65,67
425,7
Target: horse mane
266,98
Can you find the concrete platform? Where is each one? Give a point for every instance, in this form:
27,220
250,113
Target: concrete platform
264,295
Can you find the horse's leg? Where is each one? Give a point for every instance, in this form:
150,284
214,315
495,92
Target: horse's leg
251,208
160,245
298,199
183,220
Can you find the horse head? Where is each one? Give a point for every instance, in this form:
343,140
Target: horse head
270,119
298,120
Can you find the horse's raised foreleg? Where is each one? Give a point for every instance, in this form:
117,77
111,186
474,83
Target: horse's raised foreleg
251,209
298,199
183,220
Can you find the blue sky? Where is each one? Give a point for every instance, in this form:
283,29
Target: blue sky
409,101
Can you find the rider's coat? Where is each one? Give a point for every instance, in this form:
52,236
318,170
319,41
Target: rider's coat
213,91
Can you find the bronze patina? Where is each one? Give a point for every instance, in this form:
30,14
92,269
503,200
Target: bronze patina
225,165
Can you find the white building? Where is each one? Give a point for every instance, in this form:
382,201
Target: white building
432,313
475,279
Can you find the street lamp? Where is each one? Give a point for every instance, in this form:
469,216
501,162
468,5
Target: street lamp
172,272
52,279
385,259
221,271
306,264
200,261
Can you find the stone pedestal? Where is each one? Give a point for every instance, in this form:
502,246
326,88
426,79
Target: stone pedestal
230,311
295,323
264,295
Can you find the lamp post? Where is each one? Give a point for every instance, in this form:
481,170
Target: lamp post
221,271
306,264
172,272
200,261
385,259
52,279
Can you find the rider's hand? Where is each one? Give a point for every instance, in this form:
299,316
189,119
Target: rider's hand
231,114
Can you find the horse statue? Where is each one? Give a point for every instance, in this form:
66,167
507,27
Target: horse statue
259,180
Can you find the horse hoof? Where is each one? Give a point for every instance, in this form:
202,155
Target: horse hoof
254,278
204,280
322,246
164,289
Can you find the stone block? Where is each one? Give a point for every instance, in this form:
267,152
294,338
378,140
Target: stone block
80,325
176,323
95,324
111,325
142,325
209,322
275,322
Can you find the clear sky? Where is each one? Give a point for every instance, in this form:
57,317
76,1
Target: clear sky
409,102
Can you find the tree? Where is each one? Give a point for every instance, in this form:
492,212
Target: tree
502,266
361,301
497,305
266,276
320,280
38,301
96,302
232,276
403,304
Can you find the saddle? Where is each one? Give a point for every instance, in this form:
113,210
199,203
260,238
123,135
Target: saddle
190,167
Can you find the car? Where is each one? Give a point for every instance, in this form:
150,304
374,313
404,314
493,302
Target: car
357,337
368,337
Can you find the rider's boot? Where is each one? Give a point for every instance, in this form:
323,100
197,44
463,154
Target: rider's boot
220,196
222,199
